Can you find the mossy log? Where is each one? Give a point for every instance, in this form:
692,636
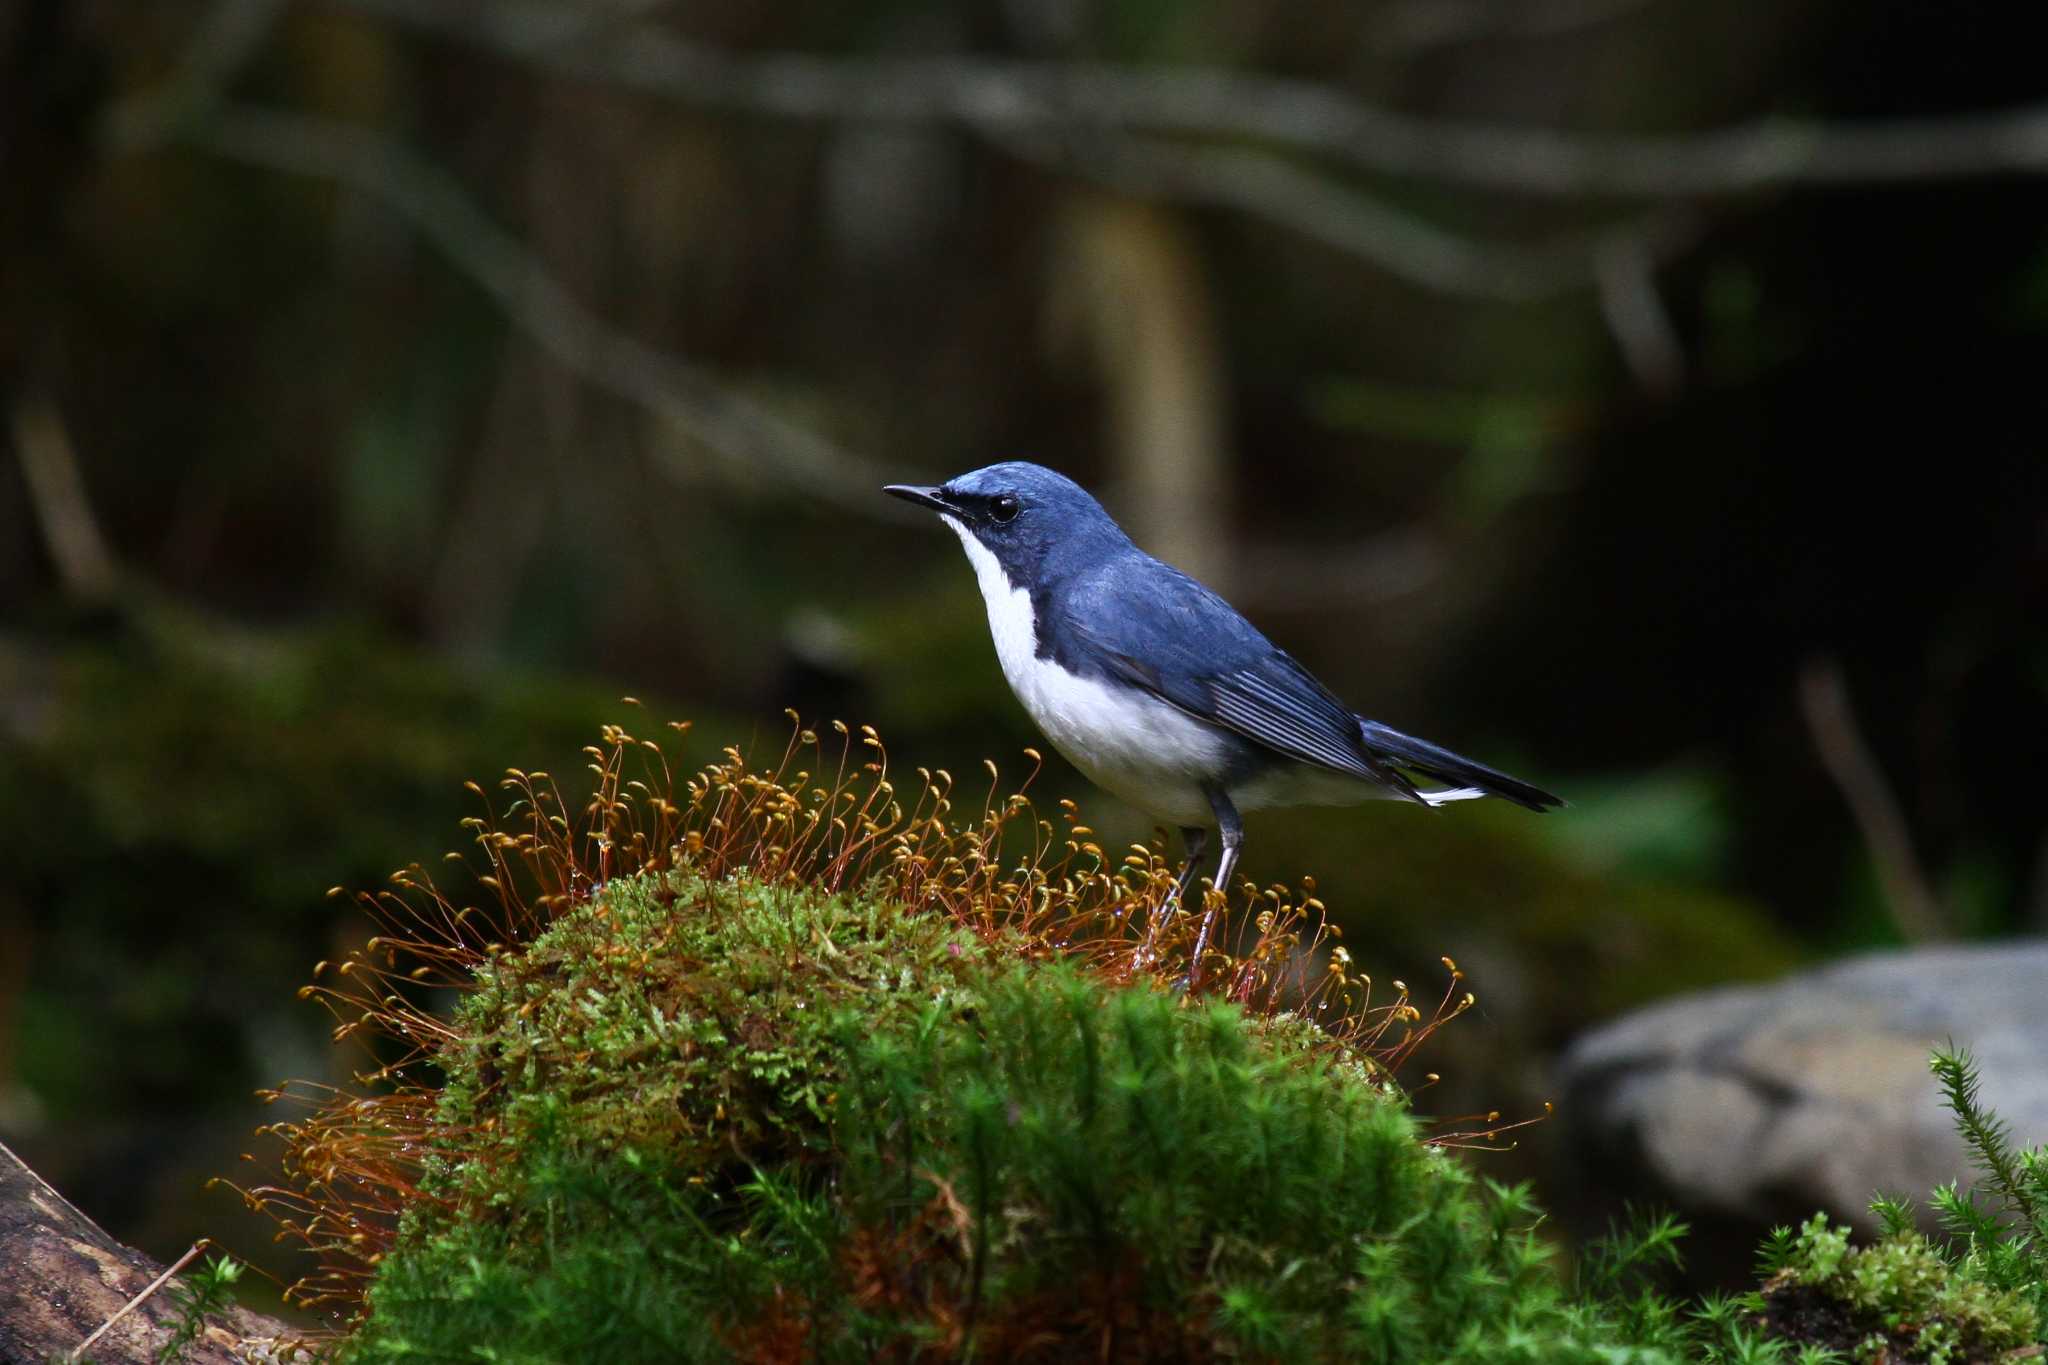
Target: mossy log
63,1277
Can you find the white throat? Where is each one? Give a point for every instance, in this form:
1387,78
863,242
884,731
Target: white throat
1010,619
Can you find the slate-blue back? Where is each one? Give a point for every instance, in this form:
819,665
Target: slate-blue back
1104,609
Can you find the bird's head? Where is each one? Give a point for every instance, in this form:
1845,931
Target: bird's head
1022,514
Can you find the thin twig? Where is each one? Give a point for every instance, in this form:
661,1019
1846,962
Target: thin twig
1824,699
991,97
173,1268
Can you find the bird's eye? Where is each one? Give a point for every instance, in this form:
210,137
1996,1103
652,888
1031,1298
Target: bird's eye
1004,508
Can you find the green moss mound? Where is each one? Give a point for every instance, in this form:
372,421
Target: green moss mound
1896,1299
700,1021
716,1120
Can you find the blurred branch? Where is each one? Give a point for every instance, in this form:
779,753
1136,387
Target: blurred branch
1243,179
747,436
1135,294
992,96
1344,217
1824,700
222,44
499,520
1634,312
56,493
1410,27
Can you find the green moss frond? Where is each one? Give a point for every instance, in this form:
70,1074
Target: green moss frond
2018,1179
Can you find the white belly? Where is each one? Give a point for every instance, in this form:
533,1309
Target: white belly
1141,749
1153,755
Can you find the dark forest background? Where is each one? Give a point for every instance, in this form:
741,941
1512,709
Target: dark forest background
1644,396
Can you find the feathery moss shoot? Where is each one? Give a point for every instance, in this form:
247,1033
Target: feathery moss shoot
768,1064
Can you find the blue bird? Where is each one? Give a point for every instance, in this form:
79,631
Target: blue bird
1158,690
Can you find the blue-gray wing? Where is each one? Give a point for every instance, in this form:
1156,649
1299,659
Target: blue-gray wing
1162,631
1280,704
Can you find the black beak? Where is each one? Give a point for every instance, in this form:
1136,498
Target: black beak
921,495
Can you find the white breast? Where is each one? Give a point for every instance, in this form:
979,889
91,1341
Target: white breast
1149,753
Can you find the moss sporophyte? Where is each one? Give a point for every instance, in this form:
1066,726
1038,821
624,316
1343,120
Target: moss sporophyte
773,1063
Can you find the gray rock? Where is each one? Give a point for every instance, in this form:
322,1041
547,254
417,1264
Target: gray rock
1764,1103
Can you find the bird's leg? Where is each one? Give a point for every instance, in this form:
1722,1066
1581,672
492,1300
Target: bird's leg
1233,841
1196,840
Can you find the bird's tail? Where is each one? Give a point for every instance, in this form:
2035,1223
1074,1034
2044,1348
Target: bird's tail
1464,778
